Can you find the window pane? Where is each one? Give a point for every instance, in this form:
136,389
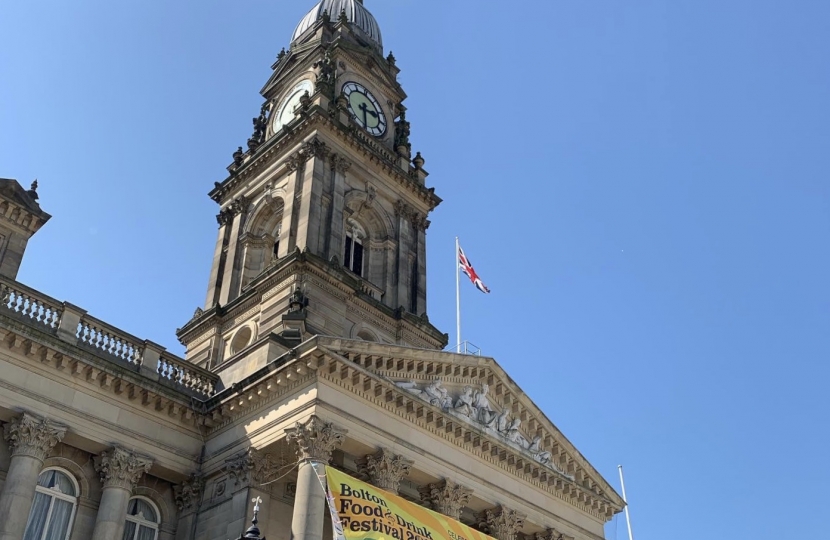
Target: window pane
358,259
56,479
142,509
37,516
129,531
59,520
347,258
146,533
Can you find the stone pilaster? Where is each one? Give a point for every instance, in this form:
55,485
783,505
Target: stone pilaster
315,440
503,523
30,439
446,497
385,469
119,470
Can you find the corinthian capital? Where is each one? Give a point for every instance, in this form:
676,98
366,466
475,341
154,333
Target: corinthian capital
121,468
315,439
446,497
503,523
386,470
32,436
251,466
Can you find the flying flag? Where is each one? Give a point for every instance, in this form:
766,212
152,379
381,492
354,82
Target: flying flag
467,267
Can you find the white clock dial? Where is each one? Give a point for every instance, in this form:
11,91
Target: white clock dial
285,112
365,108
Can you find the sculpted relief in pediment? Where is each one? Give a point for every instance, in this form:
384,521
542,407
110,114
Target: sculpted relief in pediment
474,406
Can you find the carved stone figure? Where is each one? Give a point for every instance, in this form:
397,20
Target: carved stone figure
437,395
483,412
514,435
539,455
501,422
464,403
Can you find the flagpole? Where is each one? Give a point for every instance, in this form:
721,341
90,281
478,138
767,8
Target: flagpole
627,515
457,301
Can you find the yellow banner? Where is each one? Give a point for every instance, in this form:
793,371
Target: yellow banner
368,513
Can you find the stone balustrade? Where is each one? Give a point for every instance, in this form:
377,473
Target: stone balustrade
109,340
29,304
74,325
182,372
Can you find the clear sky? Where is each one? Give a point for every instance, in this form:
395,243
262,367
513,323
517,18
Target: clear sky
643,185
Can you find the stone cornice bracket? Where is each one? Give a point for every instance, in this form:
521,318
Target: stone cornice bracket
121,468
502,523
385,469
33,436
189,493
446,497
316,439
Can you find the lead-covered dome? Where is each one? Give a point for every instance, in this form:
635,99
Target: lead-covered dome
358,16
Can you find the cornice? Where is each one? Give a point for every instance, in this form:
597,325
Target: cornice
384,394
79,366
298,131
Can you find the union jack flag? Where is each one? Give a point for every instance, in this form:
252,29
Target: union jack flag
467,267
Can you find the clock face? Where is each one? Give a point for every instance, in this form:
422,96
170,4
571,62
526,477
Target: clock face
365,109
285,113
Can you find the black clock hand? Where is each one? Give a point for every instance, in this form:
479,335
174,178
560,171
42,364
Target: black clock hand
365,110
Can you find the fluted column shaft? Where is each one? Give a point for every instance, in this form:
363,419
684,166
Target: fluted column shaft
30,440
119,470
315,441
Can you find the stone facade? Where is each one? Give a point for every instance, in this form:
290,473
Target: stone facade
308,351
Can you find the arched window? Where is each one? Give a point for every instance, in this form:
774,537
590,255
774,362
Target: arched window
353,256
53,509
142,520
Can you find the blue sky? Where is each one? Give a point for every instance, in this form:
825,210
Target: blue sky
643,185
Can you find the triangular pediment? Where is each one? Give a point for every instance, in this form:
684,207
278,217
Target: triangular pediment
474,395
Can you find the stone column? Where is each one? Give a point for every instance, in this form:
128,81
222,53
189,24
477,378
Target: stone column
120,470
386,470
446,497
30,440
503,523
315,441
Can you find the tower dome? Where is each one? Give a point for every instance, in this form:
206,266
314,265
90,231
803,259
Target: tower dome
358,16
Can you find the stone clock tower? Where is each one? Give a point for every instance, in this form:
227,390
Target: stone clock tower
323,218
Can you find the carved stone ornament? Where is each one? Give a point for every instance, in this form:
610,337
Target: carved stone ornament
33,436
340,164
121,468
475,407
189,492
503,523
315,148
551,534
446,497
316,439
385,469
251,467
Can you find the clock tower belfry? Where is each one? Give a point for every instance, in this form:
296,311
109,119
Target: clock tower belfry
323,217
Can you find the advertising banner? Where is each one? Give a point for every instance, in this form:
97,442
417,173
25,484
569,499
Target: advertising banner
365,512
